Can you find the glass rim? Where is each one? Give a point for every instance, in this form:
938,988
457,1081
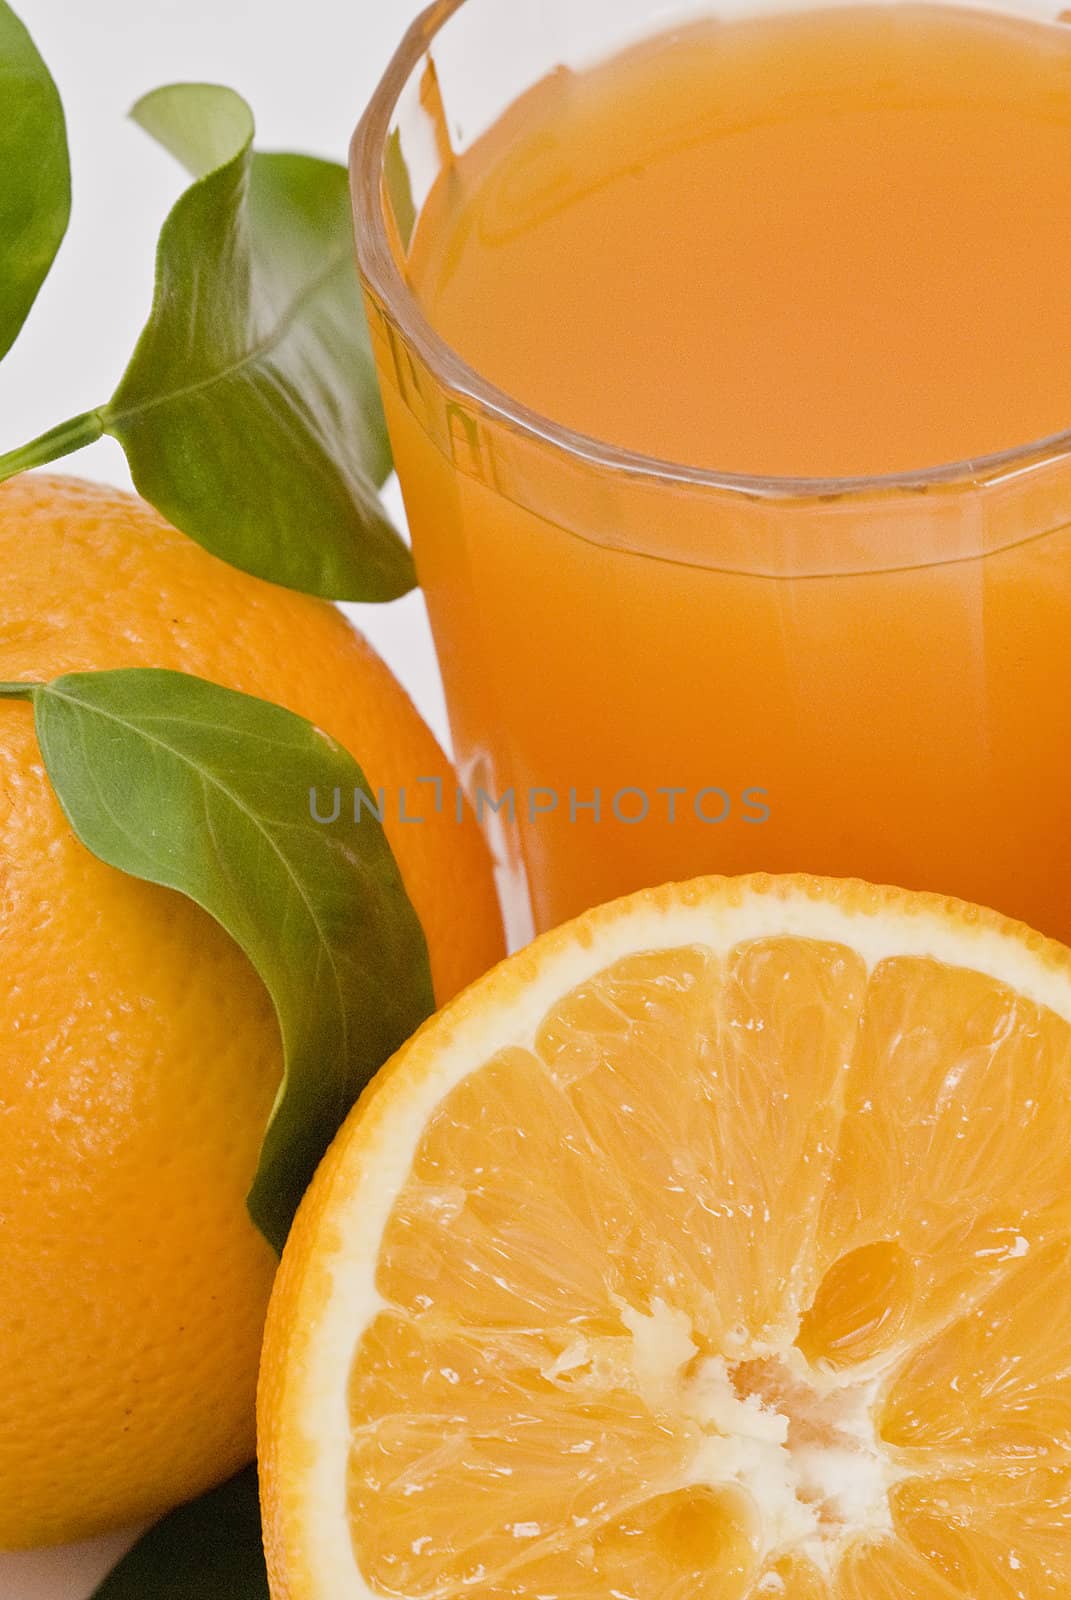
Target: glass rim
386,281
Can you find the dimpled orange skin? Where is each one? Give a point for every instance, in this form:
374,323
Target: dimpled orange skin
141,1055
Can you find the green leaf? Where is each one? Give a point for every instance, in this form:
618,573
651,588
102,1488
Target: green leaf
35,175
201,124
250,412
207,791
399,187
208,1550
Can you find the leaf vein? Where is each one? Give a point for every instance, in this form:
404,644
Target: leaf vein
252,357
259,826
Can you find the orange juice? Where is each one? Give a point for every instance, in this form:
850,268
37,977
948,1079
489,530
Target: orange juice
833,245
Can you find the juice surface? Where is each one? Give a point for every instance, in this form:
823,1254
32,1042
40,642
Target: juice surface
824,244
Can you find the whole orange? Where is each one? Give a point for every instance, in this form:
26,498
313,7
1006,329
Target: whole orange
140,1051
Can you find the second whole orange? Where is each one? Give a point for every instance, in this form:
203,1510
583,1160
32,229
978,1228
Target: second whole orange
141,1053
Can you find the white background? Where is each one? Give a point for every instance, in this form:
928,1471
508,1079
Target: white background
307,67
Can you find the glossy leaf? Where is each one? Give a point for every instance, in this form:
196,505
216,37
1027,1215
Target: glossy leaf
208,1550
207,791
35,175
250,413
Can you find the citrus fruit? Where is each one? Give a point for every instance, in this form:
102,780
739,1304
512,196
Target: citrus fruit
715,1246
141,1054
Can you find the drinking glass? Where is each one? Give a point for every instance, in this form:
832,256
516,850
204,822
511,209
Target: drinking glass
654,671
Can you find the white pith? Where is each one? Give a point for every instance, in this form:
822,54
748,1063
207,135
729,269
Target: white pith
747,1444
813,1495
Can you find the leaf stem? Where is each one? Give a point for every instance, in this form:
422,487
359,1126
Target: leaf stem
61,441
19,691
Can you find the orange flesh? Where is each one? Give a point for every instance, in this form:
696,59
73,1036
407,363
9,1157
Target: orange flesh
772,1198
818,245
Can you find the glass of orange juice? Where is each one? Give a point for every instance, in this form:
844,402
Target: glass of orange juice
727,363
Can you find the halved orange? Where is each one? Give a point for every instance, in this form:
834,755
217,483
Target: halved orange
716,1246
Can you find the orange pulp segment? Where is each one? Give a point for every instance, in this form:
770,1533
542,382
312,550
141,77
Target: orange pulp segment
715,1247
